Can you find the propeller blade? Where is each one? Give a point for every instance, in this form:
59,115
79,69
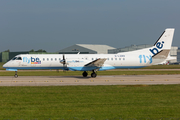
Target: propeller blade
63,61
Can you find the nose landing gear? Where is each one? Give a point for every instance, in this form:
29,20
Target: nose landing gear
16,75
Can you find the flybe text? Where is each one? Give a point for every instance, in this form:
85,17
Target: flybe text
32,60
158,47
145,59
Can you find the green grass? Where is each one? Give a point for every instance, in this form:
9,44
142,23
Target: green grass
86,102
79,73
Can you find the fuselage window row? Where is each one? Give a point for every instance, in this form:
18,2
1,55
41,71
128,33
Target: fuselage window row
55,59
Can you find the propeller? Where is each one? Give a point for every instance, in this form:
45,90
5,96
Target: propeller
63,61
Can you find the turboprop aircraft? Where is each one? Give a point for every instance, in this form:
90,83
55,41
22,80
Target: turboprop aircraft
95,62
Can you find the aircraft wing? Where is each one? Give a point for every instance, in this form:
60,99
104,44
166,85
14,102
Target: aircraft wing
97,63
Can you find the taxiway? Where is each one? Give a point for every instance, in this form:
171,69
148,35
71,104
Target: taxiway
79,80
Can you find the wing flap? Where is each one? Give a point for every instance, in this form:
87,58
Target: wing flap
98,62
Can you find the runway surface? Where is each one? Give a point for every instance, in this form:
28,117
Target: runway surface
79,80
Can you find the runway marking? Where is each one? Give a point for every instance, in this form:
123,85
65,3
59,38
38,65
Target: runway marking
30,81
77,81
61,81
106,80
151,80
121,80
91,80
136,80
166,80
45,81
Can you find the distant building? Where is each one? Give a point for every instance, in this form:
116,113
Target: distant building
178,55
128,48
86,49
173,53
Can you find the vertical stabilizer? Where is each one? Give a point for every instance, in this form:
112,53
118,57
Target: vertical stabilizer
165,39
164,42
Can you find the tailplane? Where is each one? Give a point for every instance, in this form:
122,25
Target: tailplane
163,54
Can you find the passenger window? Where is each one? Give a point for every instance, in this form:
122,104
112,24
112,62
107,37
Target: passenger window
107,58
123,58
119,58
55,59
43,59
115,58
47,59
51,59
59,59
111,58
92,59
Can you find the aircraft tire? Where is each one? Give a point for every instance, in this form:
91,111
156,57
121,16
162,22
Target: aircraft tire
85,74
93,75
15,75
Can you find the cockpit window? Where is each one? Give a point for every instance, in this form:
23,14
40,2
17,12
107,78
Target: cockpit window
17,58
14,58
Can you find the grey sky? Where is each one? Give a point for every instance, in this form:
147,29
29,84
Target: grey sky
56,24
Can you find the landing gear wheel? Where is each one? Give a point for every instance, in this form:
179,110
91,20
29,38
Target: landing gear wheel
84,74
15,75
93,75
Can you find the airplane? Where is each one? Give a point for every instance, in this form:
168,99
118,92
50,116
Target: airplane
95,62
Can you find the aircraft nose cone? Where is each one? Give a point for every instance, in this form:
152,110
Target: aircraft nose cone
5,65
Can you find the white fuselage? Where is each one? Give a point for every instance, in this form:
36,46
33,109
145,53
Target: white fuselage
133,59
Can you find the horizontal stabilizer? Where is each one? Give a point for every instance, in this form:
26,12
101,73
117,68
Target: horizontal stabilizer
163,54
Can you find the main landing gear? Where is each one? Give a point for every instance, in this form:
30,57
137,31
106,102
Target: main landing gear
16,75
93,74
84,74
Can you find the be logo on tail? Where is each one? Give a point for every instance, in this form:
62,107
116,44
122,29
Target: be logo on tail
158,47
